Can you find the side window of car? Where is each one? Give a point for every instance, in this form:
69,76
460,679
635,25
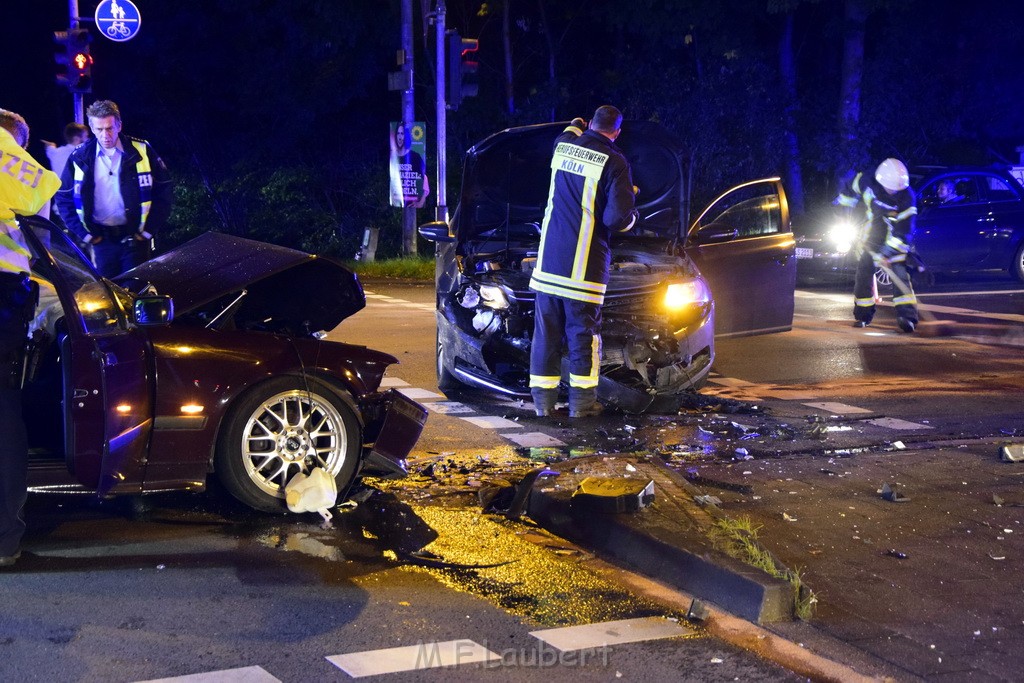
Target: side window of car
949,191
95,306
997,190
751,211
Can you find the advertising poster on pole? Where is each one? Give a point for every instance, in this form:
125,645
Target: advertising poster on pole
408,167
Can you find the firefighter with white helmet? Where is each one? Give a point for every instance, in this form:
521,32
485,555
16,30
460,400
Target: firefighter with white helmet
890,212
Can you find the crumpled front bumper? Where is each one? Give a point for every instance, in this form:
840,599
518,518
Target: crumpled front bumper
396,427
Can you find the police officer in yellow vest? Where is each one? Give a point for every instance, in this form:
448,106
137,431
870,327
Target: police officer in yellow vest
115,193
591,197
25,188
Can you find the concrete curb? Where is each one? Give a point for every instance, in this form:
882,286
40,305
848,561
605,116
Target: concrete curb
666,541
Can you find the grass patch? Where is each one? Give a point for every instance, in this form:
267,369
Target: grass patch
738,538
404,268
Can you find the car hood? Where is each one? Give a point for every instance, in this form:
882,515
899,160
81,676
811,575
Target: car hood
298,291
507,176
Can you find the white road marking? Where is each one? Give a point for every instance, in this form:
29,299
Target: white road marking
788,394
838,408
412,658
248,674
894,423
448,407
611,633
378,296
939,294
414,393
534,440
492,422
730,382
393,382
932,308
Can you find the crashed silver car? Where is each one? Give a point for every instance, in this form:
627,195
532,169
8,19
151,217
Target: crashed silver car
674,285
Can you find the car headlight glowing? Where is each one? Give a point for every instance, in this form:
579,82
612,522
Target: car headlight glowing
679,295
842,235
493,296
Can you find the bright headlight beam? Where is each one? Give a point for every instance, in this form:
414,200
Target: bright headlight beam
843,234
679,295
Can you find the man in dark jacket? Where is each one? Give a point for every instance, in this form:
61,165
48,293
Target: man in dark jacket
591,196
890,212
115,193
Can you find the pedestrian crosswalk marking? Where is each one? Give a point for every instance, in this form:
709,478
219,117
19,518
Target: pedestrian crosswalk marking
533,440
417,657
838,408
492,422
611,633
415,393
448,407
393,382
248,674
894,423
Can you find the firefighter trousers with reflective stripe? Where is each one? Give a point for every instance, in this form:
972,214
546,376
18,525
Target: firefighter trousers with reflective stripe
864,295
579,324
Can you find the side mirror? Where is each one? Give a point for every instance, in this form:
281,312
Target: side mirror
153,310
435,231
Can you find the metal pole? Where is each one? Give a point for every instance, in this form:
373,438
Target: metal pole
79,99
408,115
441,213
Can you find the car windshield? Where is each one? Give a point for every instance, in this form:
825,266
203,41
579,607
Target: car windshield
96,308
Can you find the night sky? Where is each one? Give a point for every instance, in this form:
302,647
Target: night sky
262,105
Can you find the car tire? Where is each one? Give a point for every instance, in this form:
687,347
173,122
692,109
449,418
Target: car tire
280,427
1017,269
446,381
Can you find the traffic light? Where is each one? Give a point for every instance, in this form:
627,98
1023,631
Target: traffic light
462,68
74,60
61,57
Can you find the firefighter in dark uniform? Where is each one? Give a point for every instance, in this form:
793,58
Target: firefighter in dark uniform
25,188
885,242
591,196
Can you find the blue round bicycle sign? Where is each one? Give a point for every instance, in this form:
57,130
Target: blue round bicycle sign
118,20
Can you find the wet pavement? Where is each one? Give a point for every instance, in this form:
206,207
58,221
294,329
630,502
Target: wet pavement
908,547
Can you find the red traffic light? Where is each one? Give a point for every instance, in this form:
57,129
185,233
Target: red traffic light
81,60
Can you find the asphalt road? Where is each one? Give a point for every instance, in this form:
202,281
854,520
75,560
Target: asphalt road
192,586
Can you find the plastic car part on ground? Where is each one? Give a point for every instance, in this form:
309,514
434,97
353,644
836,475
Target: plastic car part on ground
315,492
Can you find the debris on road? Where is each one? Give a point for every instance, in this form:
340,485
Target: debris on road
1012,453
698,611
893,495
613,494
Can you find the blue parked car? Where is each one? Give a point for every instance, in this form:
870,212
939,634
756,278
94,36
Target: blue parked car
969,219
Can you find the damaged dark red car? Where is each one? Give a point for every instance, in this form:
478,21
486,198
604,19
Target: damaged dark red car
209,359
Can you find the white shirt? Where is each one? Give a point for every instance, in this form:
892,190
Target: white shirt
58,157
108,204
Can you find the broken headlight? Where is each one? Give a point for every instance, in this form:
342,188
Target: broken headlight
493,296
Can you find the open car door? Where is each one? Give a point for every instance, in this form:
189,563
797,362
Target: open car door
743,244
107,396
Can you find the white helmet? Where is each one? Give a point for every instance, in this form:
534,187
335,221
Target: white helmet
892,175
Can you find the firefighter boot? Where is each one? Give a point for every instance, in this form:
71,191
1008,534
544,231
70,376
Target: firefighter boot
583,403
544,401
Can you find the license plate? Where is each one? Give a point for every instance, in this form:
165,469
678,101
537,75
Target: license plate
803,252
